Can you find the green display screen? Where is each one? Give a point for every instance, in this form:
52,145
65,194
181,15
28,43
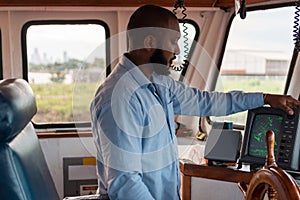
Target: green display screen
261,124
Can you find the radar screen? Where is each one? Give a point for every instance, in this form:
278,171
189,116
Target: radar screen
262,123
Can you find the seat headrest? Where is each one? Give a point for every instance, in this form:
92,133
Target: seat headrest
17,107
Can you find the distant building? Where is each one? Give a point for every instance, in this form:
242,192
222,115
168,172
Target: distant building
65,56
35,57
255,62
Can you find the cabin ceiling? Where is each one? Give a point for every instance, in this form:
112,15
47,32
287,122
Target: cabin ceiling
128,3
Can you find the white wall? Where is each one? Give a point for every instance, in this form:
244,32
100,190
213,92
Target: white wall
58,148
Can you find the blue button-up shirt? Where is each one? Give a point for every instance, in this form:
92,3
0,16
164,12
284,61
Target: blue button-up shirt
134,131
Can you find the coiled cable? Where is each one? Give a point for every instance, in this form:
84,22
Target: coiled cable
296,36
179,65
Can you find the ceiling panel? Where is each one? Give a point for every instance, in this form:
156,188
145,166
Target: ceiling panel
134,3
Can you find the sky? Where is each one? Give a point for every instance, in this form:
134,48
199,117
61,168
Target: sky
81,42
273,30
261,30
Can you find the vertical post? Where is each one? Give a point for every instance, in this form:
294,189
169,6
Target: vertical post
186,187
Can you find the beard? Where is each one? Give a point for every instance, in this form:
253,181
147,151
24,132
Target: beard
160,64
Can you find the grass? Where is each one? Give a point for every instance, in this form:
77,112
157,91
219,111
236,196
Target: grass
58,102
254,85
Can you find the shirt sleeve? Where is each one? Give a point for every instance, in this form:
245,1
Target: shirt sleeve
129,186
192,101
119,151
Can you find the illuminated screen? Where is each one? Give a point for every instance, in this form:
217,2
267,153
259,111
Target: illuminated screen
261,124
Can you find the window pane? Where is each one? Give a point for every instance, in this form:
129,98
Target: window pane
257,54
61,63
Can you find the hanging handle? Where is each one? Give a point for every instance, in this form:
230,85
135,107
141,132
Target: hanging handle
243,10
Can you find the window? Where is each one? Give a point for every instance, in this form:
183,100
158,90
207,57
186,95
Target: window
65,63
189,34
257,54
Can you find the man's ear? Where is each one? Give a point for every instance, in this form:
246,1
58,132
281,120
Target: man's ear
150,42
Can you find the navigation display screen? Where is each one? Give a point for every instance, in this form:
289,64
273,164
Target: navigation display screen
262,123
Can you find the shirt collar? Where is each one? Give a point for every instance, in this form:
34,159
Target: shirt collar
135,72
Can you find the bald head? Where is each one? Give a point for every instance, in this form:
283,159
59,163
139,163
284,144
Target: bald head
150,20
150,16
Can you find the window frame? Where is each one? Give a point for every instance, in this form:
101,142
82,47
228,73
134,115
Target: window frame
62,126
1,60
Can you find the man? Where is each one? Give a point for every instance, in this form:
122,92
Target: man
133,111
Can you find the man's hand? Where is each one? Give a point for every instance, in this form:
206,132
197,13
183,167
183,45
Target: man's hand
284,102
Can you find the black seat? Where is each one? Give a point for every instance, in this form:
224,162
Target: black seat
24,174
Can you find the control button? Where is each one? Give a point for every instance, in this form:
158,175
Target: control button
291,116
283,160
284,136
288,131
286,155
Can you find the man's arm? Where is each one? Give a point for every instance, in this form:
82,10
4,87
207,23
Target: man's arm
128,186
192,101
